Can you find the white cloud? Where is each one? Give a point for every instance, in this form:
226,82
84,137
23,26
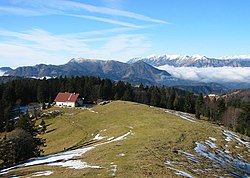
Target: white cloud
70,5
117,4
210,74
107,20
39,46
17,11
64,7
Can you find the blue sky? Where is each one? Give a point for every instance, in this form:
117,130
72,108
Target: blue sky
54,31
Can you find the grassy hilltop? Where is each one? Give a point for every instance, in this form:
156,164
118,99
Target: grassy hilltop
157,144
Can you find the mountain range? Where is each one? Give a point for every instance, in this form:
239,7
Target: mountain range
138,72
142,70
4,69
195,61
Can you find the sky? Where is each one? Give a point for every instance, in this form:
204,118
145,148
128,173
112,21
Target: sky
55,31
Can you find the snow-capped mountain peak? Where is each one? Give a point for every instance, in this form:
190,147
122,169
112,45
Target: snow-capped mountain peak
195,61
80,60
240,57
198,57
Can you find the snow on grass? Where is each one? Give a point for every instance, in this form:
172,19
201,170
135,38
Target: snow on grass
64,158
209,158
7,170
168,163
113,170
74,164
212,138
236,166
121,154
181,173
203,151
230,136
92,110
98,137
210,144
227,151
191,157
58,157
181,115
42,173
110,138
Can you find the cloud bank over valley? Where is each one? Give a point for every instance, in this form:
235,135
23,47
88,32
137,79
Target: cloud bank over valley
210,74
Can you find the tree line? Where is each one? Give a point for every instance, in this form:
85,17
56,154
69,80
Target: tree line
23,92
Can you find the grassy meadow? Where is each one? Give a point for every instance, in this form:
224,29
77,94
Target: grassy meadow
156,136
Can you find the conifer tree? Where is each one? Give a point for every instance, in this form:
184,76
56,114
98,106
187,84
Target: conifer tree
187,102
171,97
176,104
198,106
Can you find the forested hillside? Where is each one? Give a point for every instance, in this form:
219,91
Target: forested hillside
23,92
16,93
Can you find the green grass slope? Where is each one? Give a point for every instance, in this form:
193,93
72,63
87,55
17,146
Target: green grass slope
157,145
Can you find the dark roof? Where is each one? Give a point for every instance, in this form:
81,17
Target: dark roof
66,97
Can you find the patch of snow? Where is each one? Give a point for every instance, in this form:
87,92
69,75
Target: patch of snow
181,115
203,151
63,158
114,170
58,157
74,164
122,137
7,170
168,163
181,173
186,118
200,147
98,137
110,138
191,157
42,173
227,151
210,144
230,136
225,160
198,170
92,110
228,139
212,138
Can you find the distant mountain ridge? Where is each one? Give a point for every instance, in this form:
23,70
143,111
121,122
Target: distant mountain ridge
135,73
195,61
4,69
138,72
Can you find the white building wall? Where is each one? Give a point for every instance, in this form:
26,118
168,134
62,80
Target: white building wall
66,104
